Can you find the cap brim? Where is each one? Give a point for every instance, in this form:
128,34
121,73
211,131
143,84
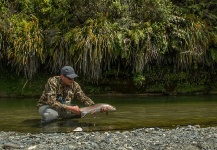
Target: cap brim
72,76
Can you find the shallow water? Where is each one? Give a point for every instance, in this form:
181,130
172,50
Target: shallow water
132,112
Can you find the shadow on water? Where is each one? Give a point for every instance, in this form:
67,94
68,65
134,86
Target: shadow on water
132,112
67,125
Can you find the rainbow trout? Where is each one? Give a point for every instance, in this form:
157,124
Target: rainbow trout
96,108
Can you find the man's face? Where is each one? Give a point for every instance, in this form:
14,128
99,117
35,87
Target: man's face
66,80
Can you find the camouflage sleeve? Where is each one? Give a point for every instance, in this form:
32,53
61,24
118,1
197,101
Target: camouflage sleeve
81,96
50,96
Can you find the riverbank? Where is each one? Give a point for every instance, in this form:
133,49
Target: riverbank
188,137
13,85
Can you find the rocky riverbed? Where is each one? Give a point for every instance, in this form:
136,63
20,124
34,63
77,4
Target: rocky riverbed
185,138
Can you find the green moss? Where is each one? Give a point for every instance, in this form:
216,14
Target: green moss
185,88
95,89
14,85
153,88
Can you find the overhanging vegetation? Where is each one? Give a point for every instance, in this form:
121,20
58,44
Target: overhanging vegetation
97,37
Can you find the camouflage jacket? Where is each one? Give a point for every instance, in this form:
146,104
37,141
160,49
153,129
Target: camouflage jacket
55,94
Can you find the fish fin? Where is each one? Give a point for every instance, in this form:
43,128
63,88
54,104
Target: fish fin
83,114
93,112
106,113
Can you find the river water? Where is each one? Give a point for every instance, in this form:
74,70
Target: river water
132,112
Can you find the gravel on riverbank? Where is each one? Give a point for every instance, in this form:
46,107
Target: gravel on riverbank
186,138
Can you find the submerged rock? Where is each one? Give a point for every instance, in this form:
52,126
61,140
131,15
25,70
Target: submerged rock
78,129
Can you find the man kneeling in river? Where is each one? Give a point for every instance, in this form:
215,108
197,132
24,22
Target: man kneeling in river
57,96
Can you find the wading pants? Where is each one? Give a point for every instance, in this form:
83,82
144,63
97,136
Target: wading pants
48,114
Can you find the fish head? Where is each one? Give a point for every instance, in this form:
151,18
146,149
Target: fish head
109,108
113,108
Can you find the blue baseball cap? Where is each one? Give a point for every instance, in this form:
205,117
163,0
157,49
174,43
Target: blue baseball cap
69,72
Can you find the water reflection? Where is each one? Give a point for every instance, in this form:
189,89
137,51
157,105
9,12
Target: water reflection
132,112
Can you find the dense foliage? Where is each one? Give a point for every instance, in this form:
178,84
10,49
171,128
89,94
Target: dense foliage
96,37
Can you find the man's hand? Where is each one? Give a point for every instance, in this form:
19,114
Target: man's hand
74,109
